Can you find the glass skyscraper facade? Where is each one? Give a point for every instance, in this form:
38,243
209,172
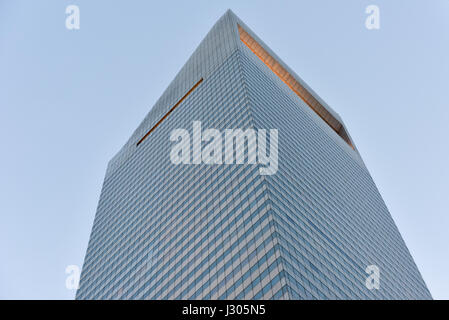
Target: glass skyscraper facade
224,231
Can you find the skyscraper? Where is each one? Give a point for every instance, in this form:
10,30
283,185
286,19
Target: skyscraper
308,230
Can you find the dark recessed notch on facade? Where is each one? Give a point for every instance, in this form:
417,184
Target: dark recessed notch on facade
293,84
170,111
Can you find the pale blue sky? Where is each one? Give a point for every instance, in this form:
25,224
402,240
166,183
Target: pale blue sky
70,99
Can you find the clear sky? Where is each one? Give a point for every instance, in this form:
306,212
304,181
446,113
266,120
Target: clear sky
69,99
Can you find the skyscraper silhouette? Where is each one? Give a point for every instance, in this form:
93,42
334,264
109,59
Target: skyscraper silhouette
224,231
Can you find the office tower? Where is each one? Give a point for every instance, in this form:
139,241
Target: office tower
308,230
